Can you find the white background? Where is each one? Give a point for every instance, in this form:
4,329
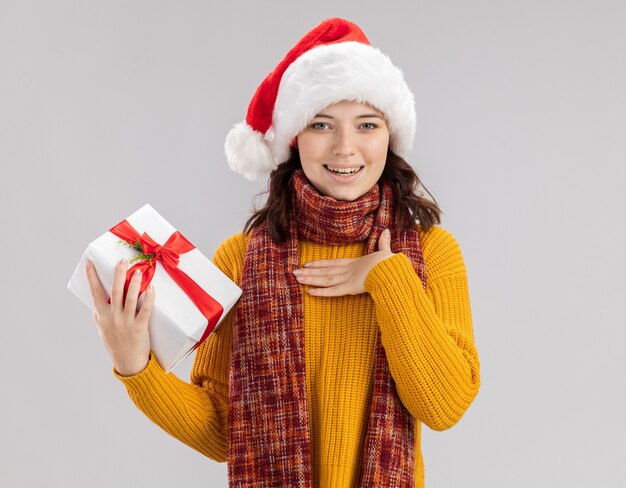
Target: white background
108,105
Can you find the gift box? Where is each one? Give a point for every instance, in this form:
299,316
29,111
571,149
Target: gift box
192,295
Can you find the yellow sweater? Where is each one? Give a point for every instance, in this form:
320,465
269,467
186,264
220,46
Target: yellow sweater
428,340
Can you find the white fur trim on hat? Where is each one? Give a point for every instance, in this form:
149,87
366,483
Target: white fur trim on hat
342,71
247,152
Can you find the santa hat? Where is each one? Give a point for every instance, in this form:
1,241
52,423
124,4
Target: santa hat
331,63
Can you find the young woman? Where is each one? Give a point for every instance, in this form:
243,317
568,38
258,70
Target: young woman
354,327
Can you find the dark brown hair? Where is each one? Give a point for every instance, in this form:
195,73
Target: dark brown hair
411,206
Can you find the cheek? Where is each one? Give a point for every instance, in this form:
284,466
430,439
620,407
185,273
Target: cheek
378,148
308,161
378,140
310,155
305,148
378,155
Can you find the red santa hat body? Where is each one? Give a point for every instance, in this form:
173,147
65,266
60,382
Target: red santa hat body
331,63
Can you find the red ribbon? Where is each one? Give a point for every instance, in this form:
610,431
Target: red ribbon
168,254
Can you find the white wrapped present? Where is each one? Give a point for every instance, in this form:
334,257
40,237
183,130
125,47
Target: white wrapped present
192,295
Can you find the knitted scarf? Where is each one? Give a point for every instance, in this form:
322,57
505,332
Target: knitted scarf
268,435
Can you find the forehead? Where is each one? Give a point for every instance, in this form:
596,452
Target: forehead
350,106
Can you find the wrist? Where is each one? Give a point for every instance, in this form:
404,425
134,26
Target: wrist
131,368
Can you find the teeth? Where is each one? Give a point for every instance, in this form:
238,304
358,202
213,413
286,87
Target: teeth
344,171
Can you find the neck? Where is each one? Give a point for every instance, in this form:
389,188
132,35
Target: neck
323,219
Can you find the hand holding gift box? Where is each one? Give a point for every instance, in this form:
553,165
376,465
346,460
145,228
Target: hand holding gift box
123,328
193,295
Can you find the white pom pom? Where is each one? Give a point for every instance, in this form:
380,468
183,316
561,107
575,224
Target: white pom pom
247,152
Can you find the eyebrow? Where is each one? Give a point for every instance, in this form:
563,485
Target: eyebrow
365,116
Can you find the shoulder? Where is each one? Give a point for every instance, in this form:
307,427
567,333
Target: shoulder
230,254
442,253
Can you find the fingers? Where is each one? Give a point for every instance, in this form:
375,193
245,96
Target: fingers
324,280
333,291
118,303
98,293
117,290
323,263
130,306
384,241
146,307
325,272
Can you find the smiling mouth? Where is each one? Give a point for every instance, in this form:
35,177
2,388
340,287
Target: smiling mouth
344,171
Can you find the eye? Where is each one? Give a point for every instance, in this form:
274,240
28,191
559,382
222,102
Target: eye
315,125
370,124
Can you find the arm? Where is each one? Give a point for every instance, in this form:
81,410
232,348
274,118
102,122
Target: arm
427,335
196,413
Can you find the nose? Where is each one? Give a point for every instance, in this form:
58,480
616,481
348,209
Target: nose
344,143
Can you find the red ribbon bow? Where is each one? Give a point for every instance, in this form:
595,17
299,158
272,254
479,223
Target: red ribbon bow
168,254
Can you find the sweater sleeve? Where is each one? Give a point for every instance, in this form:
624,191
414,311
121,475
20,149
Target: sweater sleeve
428,335
196,413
